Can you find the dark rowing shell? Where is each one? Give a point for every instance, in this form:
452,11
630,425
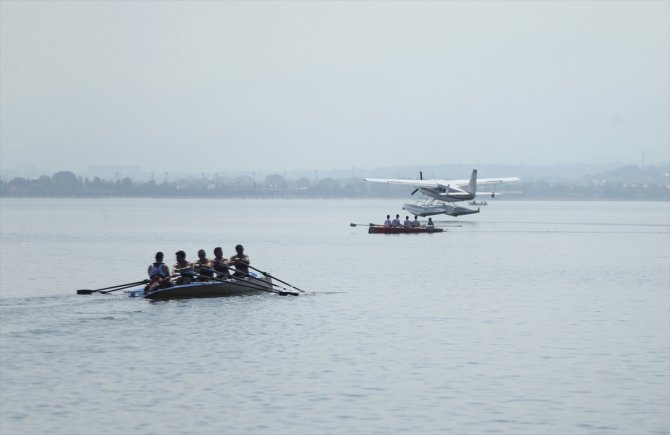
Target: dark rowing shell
233,287
378,229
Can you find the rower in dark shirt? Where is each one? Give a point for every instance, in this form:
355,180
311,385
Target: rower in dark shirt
203,266
183,266
240,260
220,264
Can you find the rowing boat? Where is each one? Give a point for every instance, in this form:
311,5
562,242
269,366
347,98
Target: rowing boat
209,289
379,229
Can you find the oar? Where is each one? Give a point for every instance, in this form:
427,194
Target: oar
362,225
130,284
254,286
248,285
121,288
146,281
274,277
243,274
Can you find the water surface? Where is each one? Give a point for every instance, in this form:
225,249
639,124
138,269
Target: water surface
542,317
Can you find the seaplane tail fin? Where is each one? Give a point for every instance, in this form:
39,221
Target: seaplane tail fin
472,185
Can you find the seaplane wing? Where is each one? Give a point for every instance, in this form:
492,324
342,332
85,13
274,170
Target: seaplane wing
489,181
436,183
407,182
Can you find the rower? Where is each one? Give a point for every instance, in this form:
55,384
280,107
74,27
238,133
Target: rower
416,223
159,274
183,268
241,262
396,221
203,266
220,264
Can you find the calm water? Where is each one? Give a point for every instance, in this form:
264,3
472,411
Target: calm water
529,318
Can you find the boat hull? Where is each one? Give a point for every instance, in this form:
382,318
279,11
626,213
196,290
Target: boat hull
211,289
378,229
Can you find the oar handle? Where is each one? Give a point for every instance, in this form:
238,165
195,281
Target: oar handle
207,269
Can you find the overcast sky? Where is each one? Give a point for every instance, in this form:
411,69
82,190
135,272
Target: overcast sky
269,85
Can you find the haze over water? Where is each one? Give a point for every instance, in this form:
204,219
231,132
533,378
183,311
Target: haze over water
530,317
210,86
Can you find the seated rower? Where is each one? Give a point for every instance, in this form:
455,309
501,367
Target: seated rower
430,223
416,223
203,266
159,275
241,262
407,223
183,266
396,221
387,222
220,264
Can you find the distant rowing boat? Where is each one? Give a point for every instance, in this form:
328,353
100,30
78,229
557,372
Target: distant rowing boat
380,229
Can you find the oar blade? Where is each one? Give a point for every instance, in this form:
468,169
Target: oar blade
85,292
287,293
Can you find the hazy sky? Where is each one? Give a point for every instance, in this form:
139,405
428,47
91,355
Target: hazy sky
269,85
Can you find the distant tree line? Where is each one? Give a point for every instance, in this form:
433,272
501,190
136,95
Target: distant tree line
624,184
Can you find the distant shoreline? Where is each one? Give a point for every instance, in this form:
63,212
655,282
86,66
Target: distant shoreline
629,183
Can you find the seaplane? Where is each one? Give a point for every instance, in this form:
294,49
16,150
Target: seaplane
438,196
